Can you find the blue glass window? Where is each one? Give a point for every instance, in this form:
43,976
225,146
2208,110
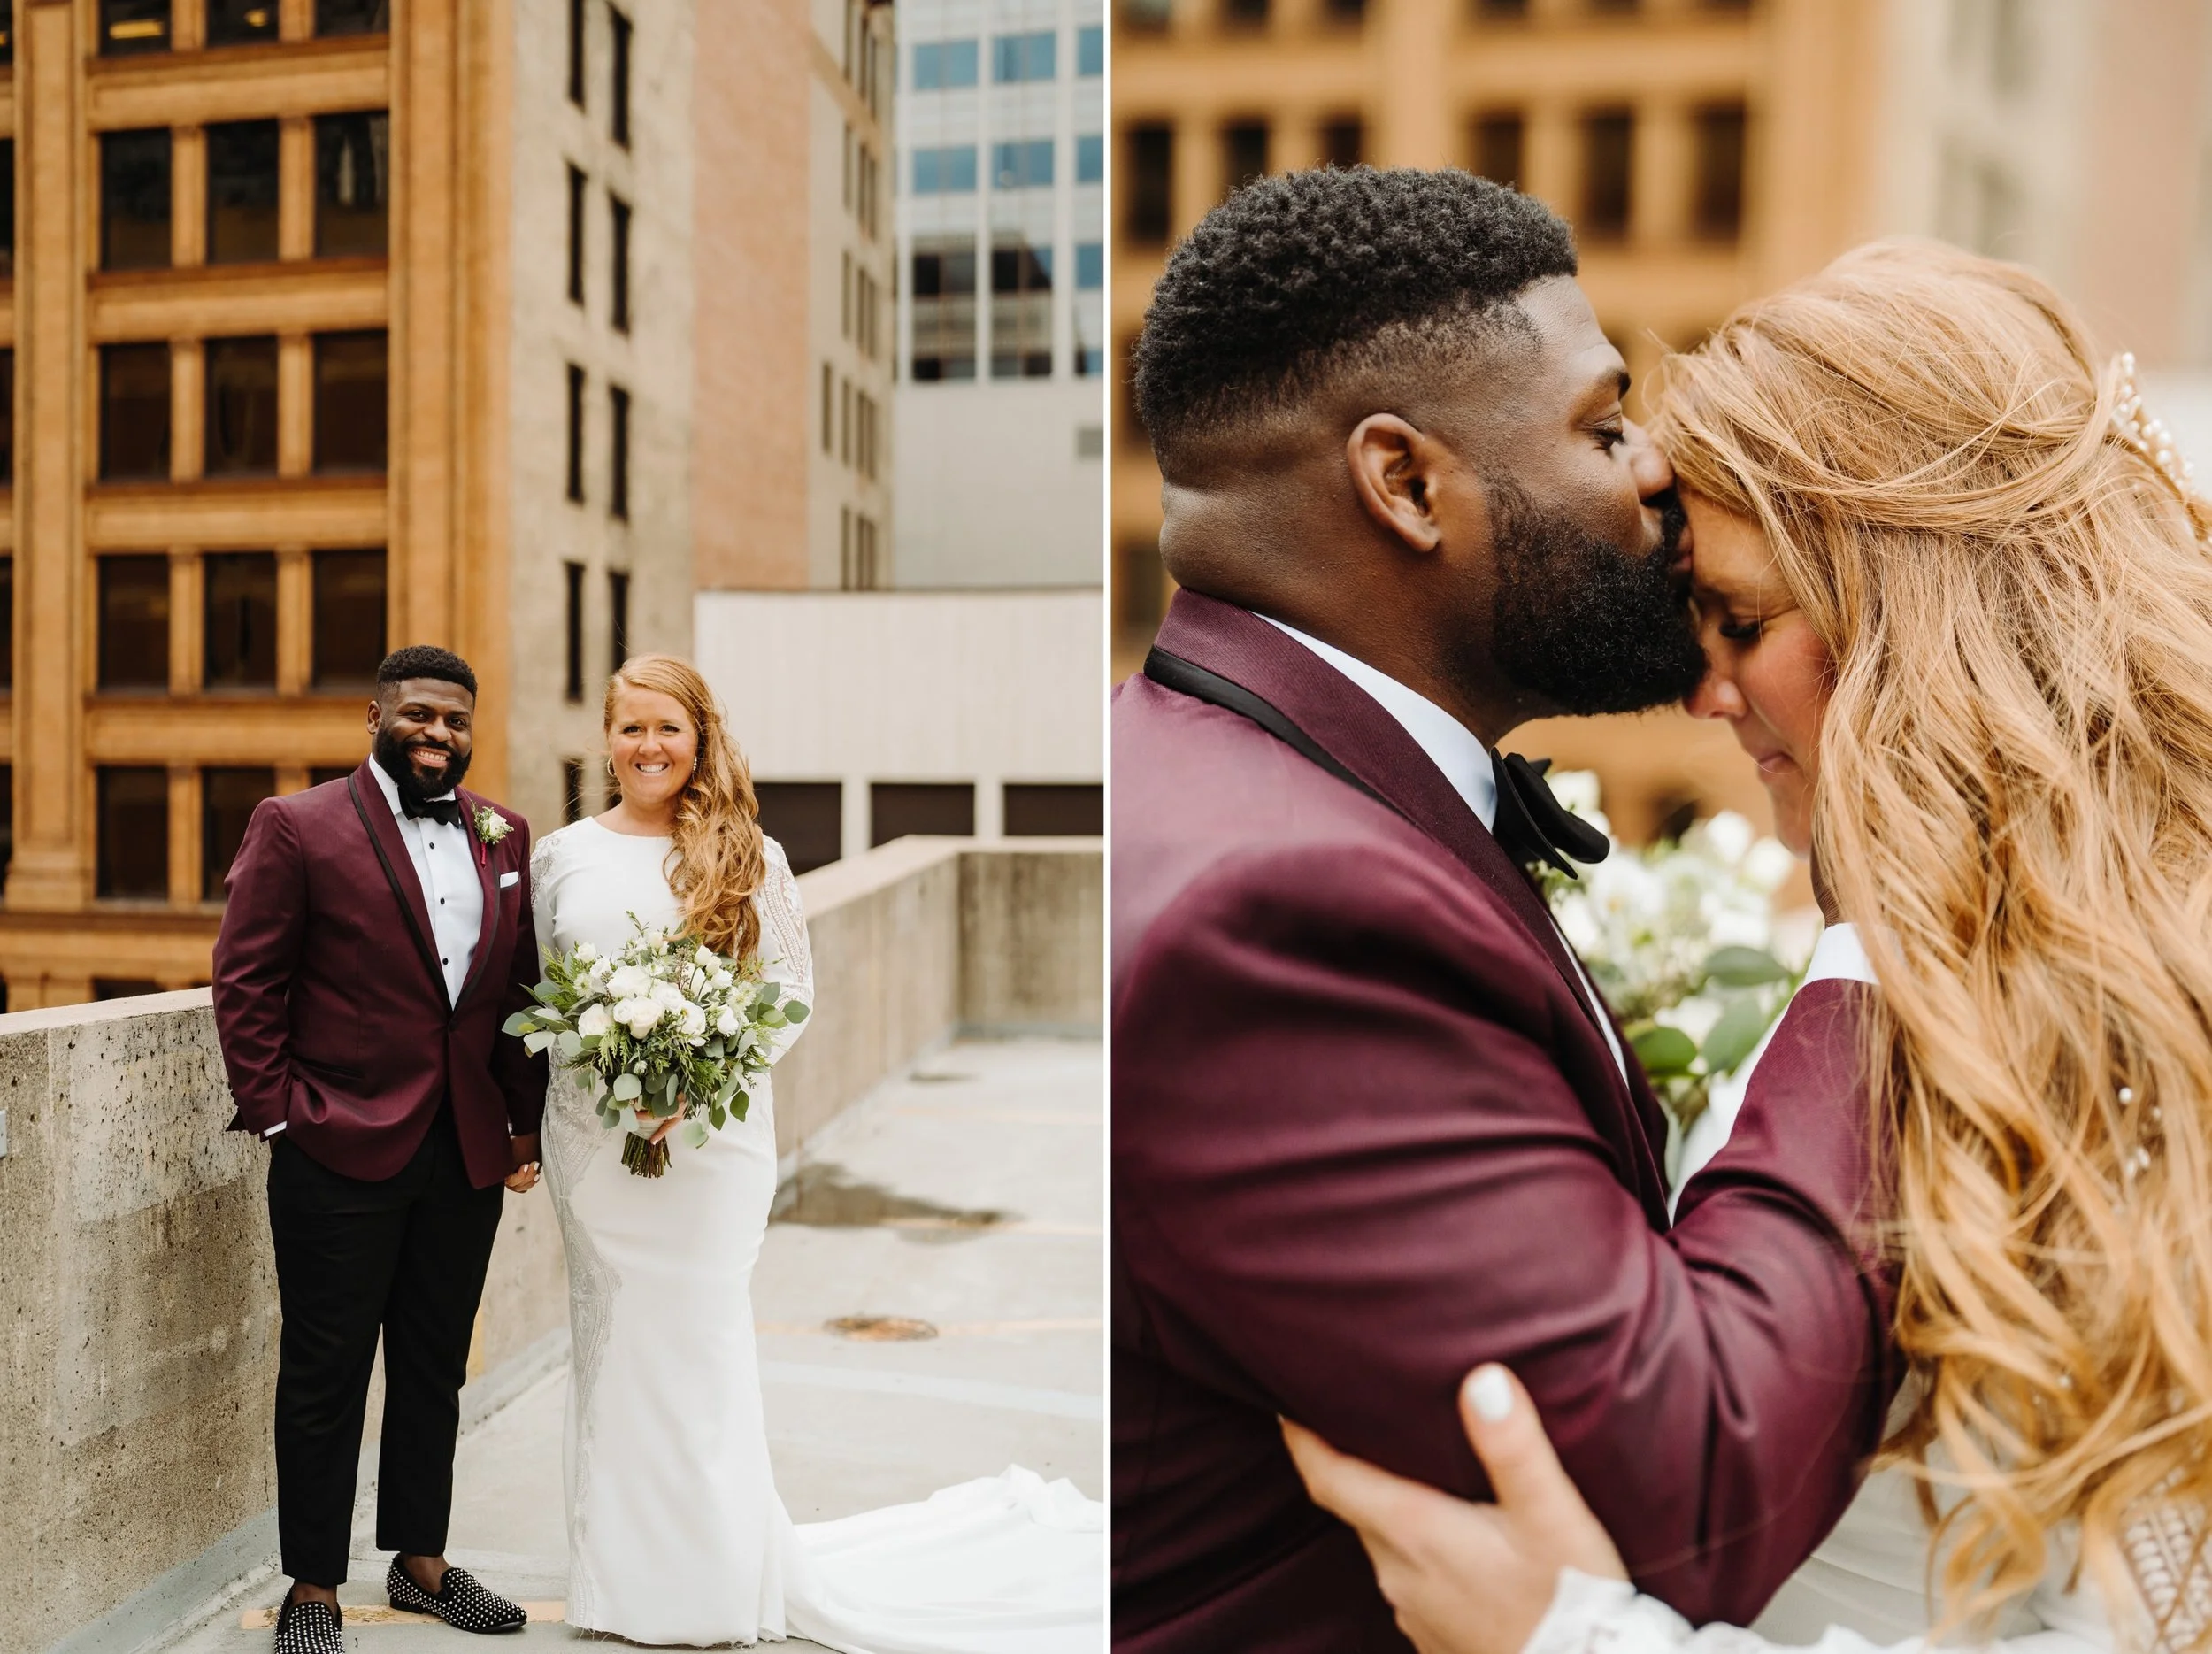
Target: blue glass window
1090,49
1023,57
947,171
1090,159
1023,165
1090,265
943,64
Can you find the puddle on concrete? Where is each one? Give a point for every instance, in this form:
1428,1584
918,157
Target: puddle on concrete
825,1196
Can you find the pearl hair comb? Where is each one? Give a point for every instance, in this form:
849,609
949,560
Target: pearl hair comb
2138,430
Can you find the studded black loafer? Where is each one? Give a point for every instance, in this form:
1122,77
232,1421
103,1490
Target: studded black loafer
459,1601
305,1626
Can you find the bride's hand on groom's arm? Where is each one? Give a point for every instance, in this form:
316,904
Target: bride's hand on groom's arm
1467,1578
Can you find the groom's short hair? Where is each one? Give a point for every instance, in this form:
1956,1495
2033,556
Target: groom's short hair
424,660
1297,278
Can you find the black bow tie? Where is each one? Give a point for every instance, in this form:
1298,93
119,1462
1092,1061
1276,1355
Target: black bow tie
1532,826
445,810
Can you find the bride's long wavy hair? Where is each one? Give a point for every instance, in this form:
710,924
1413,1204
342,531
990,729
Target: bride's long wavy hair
717,860
2014,803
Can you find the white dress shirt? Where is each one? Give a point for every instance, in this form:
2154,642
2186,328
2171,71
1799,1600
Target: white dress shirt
1455,749
445,866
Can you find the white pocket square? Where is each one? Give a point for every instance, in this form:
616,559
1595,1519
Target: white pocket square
506,878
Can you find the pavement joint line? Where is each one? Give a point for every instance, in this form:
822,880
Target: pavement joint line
1059,1404
373,1614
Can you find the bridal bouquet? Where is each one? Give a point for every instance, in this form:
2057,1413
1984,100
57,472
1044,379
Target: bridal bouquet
667,1026
1682,940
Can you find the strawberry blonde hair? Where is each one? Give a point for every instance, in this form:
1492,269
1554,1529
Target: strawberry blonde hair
2015,804
718,858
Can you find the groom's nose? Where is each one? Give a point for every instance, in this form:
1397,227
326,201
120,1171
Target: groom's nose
1646,462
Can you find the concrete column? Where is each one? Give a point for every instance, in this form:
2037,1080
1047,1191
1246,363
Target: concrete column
51,867
187,638
187,410
990,806
295,187
295,621
1197,182
295,404
187,188
295,19
854,834
1410,45
184,835
1665,172
1551,159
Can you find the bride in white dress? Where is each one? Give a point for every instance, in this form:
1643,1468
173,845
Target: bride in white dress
1955,592
676,1535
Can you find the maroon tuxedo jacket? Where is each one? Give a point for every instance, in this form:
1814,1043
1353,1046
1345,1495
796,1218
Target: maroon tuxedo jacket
1367,1134
329,1002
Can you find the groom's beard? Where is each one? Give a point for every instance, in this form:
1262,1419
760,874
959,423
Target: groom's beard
1584,627
391,756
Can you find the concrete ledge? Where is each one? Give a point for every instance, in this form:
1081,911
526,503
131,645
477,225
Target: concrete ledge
139,1302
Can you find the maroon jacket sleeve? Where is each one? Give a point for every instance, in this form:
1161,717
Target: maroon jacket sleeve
1348,1170
521,1076
264,921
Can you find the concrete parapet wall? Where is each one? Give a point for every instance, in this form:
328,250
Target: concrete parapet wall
138,1305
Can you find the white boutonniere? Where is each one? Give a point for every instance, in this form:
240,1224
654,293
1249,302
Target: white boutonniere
491,827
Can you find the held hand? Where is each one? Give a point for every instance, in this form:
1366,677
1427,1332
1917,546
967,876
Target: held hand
645,1117
524,1178
1466,1578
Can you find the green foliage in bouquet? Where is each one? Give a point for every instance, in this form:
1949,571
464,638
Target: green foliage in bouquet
667,1026
1680,937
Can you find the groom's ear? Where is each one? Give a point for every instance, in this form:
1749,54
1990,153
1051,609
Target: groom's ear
1395,473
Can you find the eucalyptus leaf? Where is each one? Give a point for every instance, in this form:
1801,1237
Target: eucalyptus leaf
626,1088
1732,1038
797,1011
719,1116
536,1041
695,1134
517,1025
1664,1051
572,1044
1744,967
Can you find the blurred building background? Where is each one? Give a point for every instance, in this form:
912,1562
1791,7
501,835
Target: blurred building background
1705,151
944,678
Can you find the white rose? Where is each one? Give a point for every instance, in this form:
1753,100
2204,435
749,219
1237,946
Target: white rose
727,1024
586,953
593,1022
704,958
669,995
694,1023
640,1015
1576,790
722,980
629,983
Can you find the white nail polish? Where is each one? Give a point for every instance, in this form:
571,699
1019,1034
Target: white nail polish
1491,1392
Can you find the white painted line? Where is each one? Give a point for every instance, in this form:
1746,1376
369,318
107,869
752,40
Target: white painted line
1059,1404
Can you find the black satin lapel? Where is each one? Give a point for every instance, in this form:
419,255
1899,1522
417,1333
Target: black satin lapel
401,878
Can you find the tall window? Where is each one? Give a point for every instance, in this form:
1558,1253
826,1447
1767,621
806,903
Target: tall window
897,808
573,685
7,200
619,309
241,22
133,642
618,619
944,64
353,16
7,625
1243,153
353,184
241,191
948,170
1015,57
1343,142
1609,144
1244,14
242,406
576,52
806,817
618,453
576,187
1090,50
575,433
1090,309
134,411
134,199
133,26
228,798
1151,194
618,120
1717,207
132,859
352,404
239,611
1090,158
1497,146
349,622
1025,163
829,408
7,419
1021,310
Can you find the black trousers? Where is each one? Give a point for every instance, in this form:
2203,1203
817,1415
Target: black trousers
405,1257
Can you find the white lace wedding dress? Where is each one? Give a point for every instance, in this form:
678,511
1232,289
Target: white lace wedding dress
675,1533
1866,1588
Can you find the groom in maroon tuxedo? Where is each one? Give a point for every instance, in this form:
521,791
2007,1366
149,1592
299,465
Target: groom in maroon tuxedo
376,934
1372,1124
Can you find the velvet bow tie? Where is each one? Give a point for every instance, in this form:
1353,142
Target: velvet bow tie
1532,826
448,809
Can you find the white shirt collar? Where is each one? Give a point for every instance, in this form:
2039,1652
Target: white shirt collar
391,792
1451,746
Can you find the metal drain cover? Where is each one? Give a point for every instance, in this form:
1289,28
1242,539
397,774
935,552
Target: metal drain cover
881,1329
